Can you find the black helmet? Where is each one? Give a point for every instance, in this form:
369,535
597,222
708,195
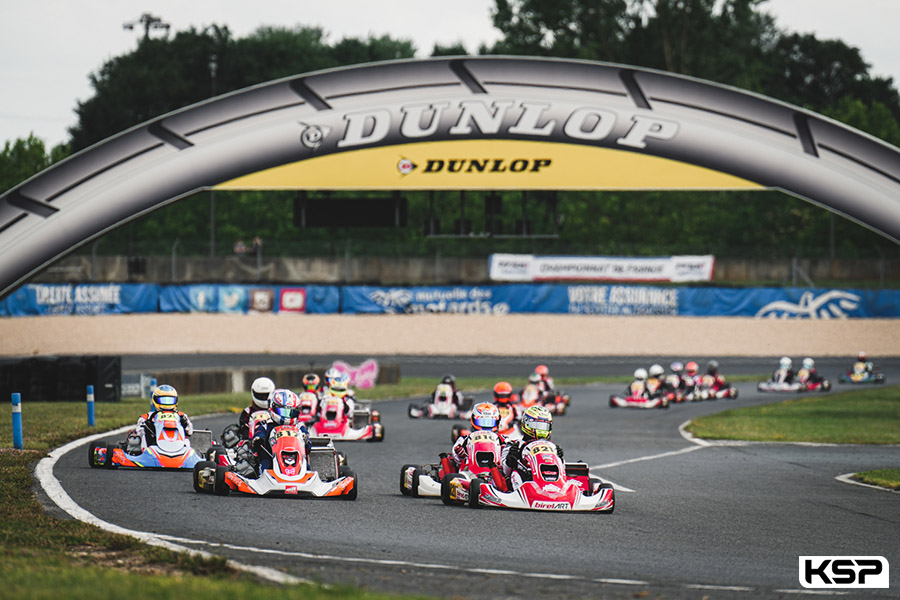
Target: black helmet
449,380
712,367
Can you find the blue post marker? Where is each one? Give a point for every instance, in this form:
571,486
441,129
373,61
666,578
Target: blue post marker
90,405
17,421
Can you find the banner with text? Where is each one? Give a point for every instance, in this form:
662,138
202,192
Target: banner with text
527,267
249,298
81,299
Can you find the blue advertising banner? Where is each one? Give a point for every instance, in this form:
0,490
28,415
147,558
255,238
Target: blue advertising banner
790,303
82,299
246,298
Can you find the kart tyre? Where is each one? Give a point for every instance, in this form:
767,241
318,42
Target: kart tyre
612,402
403,489
342,459
353,493
417,473
455,433
732,393
409,411
474,493
826,385
561,408
445,489
92,458
879,378
220,488
203,464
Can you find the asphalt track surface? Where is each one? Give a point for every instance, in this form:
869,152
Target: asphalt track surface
716,521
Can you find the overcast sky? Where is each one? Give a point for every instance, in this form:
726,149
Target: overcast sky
49,47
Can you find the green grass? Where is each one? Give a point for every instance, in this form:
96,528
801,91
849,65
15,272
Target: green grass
888,478
855,417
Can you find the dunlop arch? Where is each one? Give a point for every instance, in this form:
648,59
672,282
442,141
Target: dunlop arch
500,123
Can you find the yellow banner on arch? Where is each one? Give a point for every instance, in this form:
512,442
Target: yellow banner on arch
488,164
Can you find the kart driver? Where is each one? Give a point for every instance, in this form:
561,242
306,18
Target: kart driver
812,376
259,402
451,381
312,383
784,373
712,369
505,399
864,358
485,417
537,424
546,381
284,409
340,388
163,399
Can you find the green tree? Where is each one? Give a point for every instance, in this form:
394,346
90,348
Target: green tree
22,158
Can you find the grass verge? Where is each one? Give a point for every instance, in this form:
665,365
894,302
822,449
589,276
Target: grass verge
887,478
854,417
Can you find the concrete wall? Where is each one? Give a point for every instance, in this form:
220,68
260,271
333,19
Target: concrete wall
414,270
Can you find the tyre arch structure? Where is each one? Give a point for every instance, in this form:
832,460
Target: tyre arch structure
454,123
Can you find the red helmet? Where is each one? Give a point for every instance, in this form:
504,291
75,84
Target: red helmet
311,382
691,368
503,393
542,370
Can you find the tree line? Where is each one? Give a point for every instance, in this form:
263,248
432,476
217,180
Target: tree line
734,42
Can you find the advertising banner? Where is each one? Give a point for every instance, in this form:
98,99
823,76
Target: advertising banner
790,303
527,267
82,299
249,298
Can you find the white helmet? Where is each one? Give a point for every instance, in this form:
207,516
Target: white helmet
785,362
260,390
657,371
330,374
808,363
640,374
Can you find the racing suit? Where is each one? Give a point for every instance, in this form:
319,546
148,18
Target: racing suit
458,452
514,468
146,432
783,375
245,418
263,449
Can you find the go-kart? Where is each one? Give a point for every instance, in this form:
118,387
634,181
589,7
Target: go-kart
708,388
173,448
482,452
365,424
799,384
294,472
859,374
442,405
509,424
638,395
309,403
554,401
554,485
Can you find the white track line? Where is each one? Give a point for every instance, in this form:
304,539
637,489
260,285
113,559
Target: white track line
848,478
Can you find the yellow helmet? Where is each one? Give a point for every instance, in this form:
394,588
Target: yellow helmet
537,422
164,397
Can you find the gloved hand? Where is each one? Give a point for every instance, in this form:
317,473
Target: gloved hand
230,437
133,445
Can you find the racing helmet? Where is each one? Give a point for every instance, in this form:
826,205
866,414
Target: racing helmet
542,370
537,422
330,374
808,363
656,371
311,382
862,356
340,385
485,416
284,407
712,367
534,377
503,393
164,398
449,380
260,390
640,374
676,367
691,368
785,362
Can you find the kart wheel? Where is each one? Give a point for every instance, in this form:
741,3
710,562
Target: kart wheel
409,411
561,409
203,464
733,393
474,493
826,385
220,488
92,454
347,472
455,432
342,459
403,489
609,487
445,489
612,403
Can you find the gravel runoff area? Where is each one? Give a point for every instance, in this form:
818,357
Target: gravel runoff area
506,335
